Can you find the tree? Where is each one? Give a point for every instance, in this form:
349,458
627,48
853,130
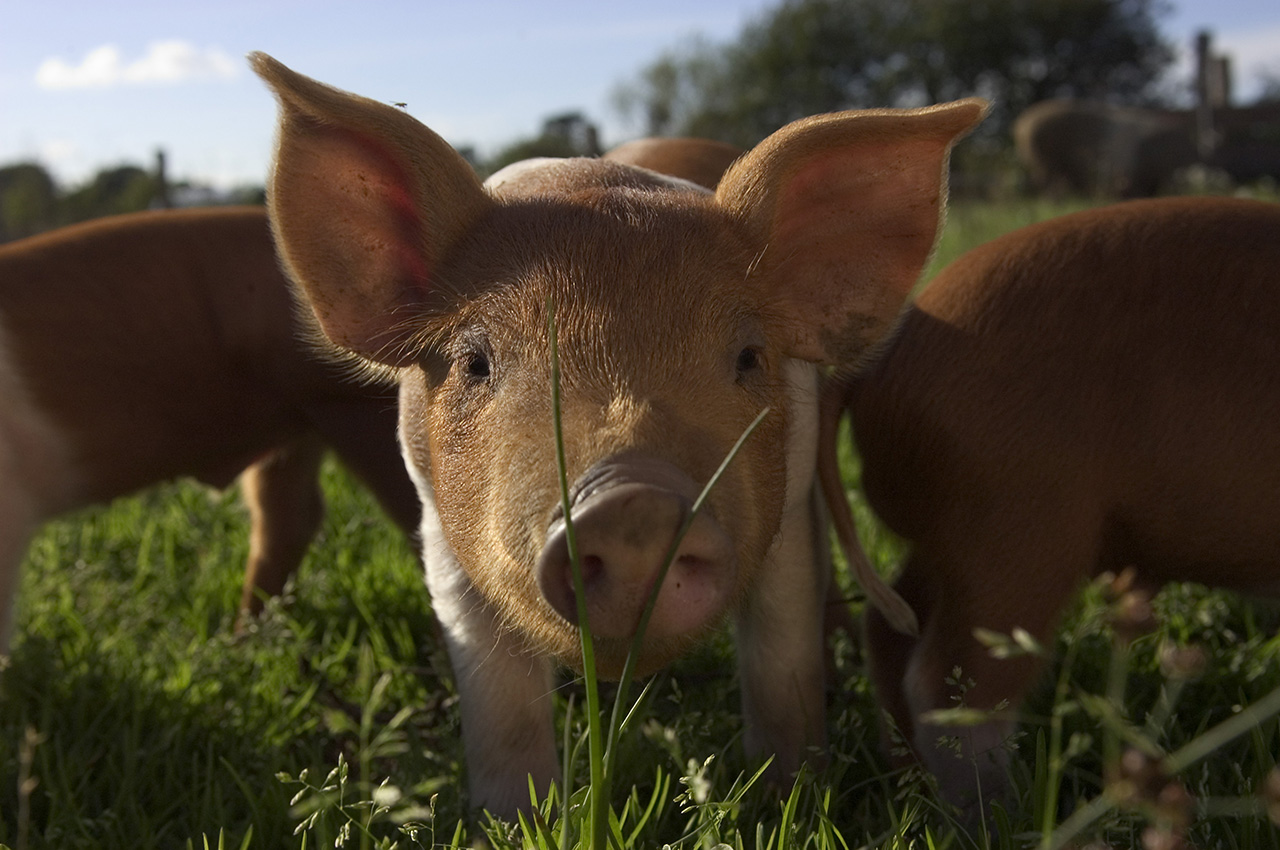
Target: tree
1270,85
570,134
681,92
123,189
28,201
810,56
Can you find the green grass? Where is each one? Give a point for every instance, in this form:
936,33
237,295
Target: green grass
132,717
971,223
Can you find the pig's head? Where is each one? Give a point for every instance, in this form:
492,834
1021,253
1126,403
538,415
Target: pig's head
679,317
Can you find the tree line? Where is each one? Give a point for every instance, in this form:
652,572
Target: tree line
803,57
808,56
31,201
798,58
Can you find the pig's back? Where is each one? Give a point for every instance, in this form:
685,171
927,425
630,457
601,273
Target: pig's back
153,342
1128,355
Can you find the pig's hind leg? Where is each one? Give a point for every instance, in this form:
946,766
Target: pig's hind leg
17,522
286,507
1019,581
38,479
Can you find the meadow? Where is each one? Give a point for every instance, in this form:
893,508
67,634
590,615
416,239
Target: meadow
133,716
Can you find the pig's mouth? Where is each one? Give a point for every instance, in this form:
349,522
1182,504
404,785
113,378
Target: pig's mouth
627,513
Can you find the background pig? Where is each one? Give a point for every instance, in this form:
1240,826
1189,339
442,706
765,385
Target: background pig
141,348
701,161
1096,391
681,315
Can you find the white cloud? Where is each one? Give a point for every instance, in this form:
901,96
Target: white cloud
170,61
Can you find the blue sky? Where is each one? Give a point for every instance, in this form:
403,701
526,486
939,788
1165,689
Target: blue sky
89,84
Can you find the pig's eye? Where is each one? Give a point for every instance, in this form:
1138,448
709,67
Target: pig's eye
748,360
471,357
476,365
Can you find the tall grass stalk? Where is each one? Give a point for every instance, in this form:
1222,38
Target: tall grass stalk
1247,720
599,793
602,747
633,655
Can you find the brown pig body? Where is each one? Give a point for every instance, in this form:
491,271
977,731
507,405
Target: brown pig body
1096,391
144,347
680,316
701,161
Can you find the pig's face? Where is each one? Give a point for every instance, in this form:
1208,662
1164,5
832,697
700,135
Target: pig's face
678,313
666,357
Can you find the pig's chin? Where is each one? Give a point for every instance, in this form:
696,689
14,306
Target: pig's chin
611,654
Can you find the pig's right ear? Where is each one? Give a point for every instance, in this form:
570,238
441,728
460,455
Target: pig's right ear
365,200
847,207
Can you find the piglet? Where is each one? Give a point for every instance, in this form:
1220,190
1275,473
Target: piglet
701,161
681,315
139,348
1098,391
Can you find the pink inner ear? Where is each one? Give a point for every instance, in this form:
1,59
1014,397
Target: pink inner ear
853,228
351,229
842,204
390,216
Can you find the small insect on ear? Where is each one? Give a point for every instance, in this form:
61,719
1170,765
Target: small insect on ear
848,206
364,201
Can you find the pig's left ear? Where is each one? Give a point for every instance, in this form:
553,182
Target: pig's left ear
848,206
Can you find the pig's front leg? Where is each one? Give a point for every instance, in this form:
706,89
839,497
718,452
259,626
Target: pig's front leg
505,693
780,630
780,652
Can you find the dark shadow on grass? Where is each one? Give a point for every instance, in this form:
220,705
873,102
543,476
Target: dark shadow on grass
127,759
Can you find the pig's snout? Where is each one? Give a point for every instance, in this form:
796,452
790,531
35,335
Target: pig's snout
625,520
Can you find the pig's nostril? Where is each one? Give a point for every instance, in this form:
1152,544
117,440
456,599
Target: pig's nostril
592,567
566,601
624,530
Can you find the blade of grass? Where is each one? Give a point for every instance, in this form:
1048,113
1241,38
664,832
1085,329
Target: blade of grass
600,749
789,809
598,796
1257,713
661,785
1079,821
633,655
1051,765
635,706
566,750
